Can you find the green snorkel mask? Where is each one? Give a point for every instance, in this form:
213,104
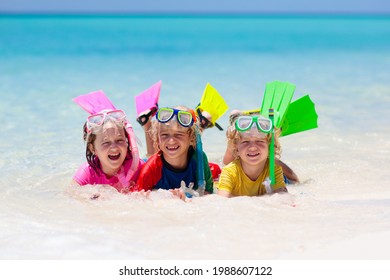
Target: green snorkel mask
245,123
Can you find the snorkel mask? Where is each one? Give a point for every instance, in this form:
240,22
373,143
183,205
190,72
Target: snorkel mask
97,120
246,123
184,118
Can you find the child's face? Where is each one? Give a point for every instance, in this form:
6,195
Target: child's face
252,148
110,147
174,142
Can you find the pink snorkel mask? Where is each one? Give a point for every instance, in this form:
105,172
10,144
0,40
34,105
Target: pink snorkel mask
96,120
100,107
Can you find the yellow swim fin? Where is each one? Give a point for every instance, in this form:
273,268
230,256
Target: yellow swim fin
213,103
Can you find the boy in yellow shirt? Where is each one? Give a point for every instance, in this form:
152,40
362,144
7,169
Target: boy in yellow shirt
245,176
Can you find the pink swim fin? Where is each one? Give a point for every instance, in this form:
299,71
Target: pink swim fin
148,100
94,102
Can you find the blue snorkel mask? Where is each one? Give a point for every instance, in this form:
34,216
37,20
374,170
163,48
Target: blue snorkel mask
184,118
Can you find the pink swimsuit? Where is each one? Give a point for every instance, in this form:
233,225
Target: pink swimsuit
85,175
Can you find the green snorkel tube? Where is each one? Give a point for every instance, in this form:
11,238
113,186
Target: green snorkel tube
271,152
200,167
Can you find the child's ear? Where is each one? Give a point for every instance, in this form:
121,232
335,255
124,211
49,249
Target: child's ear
91,148
235,152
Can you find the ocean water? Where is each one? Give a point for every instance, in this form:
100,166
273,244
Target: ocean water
341,210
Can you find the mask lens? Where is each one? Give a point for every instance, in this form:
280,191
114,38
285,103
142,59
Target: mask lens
96,119
264,124
164,114
244,123
118,115
185,118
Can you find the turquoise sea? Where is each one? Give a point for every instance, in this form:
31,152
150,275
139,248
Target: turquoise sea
343,62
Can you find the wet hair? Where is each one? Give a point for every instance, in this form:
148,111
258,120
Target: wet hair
154,130
90,138
233,136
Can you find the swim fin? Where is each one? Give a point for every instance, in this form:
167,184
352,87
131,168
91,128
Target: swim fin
301,115
277,96
147,103
213,103
94,102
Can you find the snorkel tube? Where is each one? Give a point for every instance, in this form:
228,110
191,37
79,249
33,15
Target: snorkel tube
200,167
272,150
134,152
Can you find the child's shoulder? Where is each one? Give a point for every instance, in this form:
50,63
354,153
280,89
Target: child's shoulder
85,168
154,160
233,166
85,175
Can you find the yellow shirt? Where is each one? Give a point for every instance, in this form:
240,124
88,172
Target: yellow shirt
237,183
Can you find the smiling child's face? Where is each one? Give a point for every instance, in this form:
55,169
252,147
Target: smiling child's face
110,147
174,142
253,148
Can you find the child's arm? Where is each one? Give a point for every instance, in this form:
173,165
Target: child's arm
149,141
288,172
150,174
226,182
73,183
84,176
228,157
280,185
224,193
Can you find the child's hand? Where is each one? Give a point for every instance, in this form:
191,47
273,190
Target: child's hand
145,117
188,191
140,194
185,193
179,194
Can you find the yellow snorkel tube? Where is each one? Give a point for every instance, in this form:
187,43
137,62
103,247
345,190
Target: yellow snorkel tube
211,107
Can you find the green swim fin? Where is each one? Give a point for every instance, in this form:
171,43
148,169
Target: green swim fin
301,115
277,96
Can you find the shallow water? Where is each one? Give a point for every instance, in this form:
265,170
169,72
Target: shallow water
341,206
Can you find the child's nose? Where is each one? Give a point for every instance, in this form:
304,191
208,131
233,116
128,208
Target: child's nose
252,145
114,145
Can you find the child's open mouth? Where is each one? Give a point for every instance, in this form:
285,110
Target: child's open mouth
172,148
114,157
253,155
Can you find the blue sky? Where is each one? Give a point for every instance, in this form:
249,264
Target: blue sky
193,6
